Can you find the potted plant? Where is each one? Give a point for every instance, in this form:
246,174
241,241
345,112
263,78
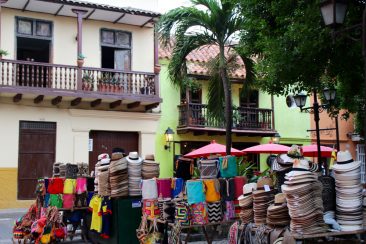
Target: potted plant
3,53
88,81
80,61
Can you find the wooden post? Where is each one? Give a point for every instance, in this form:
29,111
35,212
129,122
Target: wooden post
79,13
156,63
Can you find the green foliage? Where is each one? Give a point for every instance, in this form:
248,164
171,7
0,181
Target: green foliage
88,77
214,22
295,51
245,168
3,52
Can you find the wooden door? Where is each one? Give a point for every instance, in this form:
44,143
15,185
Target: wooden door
105,141
37,148
122,59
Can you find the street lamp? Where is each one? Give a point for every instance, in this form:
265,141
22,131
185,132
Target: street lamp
333,13
316,109
169,137
276,138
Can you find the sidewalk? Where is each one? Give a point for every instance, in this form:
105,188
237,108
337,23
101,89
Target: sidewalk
7,219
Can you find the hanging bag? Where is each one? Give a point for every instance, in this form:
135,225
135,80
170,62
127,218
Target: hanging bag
212,189
227,189
177,187
239,182
228,167
229,210
151,208
154,236
56,186
184,168
199,214
174,237
164,188
149,189
209,169
55,200
142,231
68,201
71,171
195,191
182,213
214,210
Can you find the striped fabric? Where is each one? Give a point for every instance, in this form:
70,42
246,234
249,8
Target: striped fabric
208,168
214,212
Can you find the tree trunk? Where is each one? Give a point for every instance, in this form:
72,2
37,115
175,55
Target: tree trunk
228,100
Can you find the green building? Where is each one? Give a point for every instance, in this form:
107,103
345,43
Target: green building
257,118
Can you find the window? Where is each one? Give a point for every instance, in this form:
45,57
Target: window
116,49
34,28
195,96
250,101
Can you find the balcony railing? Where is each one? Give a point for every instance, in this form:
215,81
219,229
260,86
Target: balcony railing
73,78
196,115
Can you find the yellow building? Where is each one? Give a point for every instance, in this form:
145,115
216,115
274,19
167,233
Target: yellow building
77,80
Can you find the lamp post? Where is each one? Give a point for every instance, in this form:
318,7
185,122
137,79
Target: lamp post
316,109
334,13
169,138
276,138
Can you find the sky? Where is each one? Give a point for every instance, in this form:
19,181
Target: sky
153,5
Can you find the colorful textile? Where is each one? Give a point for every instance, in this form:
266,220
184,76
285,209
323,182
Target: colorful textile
177,186
227,189
69,186
164,188
46,200
237,208
184,168
81,185
212,187
228,167
214,212
55,200
149,189
182,214
199,214
208,168
151,208
195,191
68,201
229,210
56,186
95,206
239,182
106,217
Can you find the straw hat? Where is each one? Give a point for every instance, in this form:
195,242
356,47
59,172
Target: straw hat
102,156
292,154
279,202
246,198
345,162
133,157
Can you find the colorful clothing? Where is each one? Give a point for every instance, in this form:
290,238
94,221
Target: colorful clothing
69,186
55,200
80,185
95,206
106,218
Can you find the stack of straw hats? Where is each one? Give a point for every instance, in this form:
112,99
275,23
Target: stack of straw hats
104,188
304,198
348,192
150,168
364,208
118,174
246,203
262,198
277,213
134,173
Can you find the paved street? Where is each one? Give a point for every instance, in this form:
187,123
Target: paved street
7,218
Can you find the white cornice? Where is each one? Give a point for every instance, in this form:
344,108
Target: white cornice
114,114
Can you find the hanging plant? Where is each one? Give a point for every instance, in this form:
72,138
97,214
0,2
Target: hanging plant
192,84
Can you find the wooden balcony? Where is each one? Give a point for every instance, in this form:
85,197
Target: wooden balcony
194,117
73,87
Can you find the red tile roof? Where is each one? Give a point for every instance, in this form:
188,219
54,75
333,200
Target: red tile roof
197,60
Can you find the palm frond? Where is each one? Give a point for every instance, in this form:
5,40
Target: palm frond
178,67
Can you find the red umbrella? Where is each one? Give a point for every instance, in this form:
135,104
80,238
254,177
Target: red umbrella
267,148
212,148
312,151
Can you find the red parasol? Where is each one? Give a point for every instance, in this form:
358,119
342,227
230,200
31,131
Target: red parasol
212,148
312,151
267,148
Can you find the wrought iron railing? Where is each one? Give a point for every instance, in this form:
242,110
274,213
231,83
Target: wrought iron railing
196,115
68,77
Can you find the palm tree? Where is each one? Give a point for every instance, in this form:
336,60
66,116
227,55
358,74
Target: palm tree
207,22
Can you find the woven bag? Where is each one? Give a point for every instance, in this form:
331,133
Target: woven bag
182,214
199,214
214,212
208,168
83,169
195,191
151,208
71,171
